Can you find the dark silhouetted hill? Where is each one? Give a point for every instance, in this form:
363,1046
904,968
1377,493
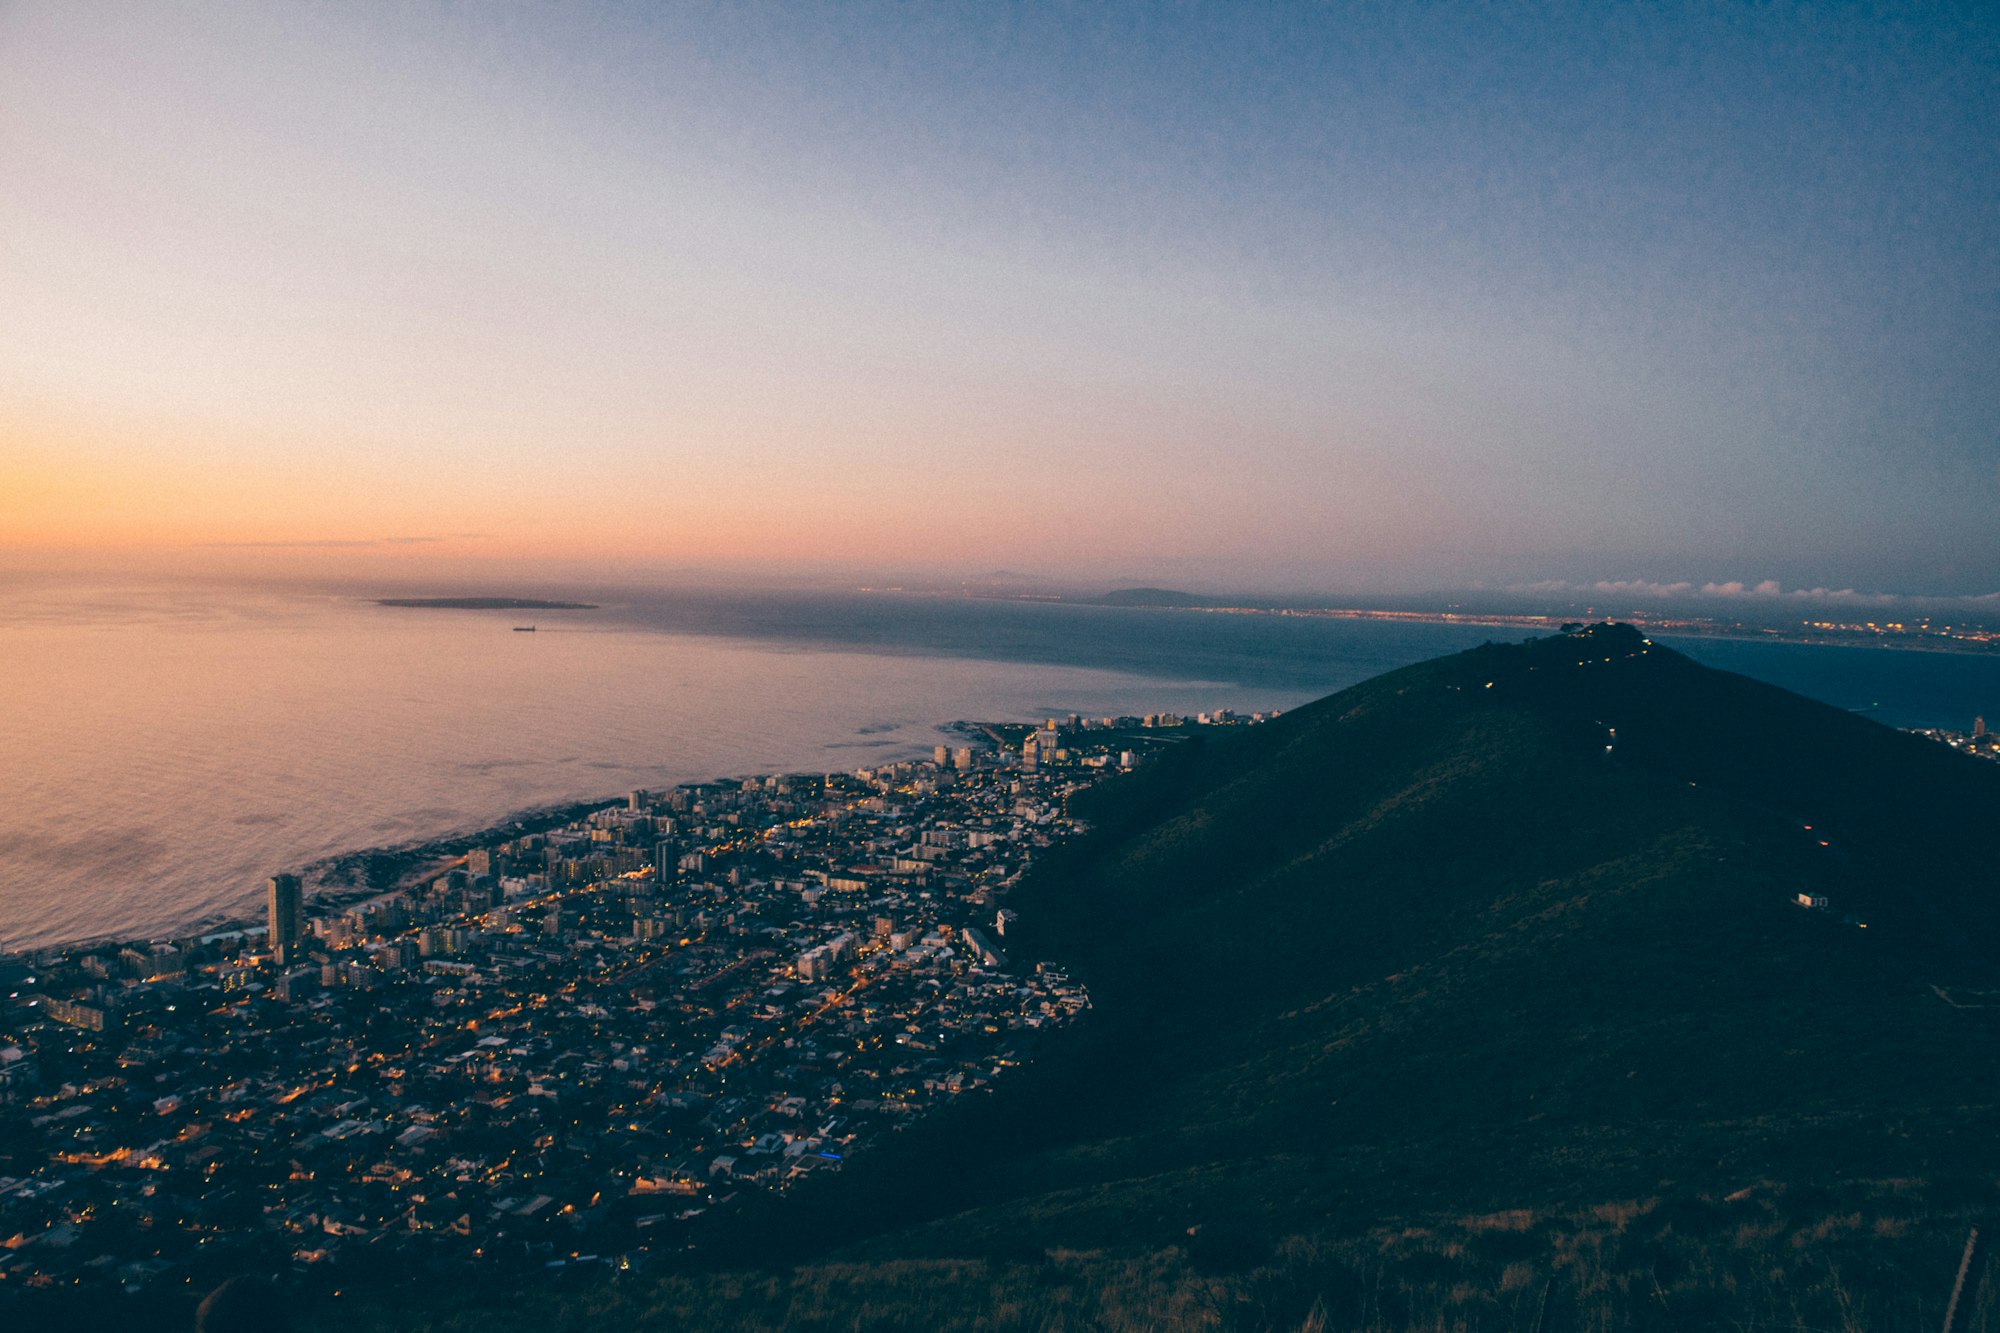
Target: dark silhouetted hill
1475,992
1156,597
1514,926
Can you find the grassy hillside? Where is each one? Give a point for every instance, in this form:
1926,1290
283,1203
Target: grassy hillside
1773,1259
1474,996
1427,944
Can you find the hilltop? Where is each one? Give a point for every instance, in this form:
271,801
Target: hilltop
1484,979
1155,597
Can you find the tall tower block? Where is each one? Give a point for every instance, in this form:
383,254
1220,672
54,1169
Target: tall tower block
285,900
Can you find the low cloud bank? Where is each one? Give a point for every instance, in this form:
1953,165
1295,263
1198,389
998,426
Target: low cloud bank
1766,591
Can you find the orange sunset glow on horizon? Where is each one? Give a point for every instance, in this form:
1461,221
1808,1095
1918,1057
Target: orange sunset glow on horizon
1231,301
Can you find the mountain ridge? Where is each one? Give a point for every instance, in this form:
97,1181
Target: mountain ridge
1477,995
1356,953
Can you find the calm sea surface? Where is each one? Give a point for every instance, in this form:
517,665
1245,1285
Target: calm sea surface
164,750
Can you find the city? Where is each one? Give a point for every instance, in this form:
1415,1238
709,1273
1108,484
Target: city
1979,742
561,1048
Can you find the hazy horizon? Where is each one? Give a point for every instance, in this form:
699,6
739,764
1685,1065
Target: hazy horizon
1769,605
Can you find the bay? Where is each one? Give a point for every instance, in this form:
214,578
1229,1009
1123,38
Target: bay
167,747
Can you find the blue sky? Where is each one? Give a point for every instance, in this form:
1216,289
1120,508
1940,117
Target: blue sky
1327,297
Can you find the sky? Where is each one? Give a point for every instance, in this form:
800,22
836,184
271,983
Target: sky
1286,297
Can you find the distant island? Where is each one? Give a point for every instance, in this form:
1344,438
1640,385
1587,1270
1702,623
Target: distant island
485,604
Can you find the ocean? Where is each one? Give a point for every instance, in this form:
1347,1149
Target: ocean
167,748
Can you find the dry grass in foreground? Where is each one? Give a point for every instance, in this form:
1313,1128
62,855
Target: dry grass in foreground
1870,1258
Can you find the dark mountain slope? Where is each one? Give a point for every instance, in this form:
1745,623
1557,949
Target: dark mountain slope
1417,1008
1429,944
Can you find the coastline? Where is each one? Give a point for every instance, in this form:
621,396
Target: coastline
1842,635
359,870
365,874
1666,629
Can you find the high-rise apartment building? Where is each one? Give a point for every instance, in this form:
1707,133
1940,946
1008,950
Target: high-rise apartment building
285,901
